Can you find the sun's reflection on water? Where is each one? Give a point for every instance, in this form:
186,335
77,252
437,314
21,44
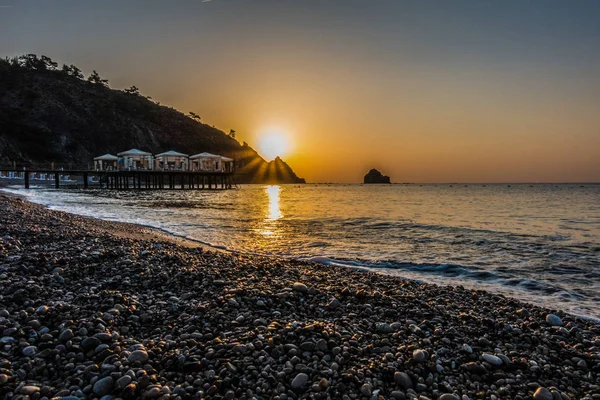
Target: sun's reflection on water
270,226
274,212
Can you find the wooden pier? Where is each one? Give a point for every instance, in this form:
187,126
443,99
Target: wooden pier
131,180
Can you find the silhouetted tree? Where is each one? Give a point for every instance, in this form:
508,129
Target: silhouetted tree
13,61
31,61
96,79
72,70
232,133
195,116
133,90
48,63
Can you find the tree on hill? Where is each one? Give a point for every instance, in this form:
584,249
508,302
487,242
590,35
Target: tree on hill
232,133
194,116
96,79
31,61
48,63
132,90
72,70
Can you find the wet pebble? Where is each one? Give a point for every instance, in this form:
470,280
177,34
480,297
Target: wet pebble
553,320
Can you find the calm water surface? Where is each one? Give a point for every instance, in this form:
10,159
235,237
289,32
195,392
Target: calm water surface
539,243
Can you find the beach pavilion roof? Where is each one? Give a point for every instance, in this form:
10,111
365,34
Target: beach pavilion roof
107,157
226,159
171,153
134,152
204,155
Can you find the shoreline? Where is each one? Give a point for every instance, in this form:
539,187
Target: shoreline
139,230
172,318
125,229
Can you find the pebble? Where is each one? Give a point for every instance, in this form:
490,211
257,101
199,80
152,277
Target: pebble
29,351
448,396
366,389
542,394
553,320
383,327
334,304
299,381
90,343
403,380
419,355
103,386
66,335
475,368
138,356
29,390
492,360
466,348
300,287
123,381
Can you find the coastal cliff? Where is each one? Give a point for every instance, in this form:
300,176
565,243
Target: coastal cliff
49,114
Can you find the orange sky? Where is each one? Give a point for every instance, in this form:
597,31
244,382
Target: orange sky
455,91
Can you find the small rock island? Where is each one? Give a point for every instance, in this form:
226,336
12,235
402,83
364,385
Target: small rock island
374,176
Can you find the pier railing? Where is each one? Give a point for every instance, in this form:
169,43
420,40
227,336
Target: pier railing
117,179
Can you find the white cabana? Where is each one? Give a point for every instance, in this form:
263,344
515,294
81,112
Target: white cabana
135,159
105,162
227,164
171,160
206,162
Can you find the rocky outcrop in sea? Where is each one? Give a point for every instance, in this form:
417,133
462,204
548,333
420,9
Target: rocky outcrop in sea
374,176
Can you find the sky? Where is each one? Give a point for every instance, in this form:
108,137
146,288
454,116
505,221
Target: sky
424,91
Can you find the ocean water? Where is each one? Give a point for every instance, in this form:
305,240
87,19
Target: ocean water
539,243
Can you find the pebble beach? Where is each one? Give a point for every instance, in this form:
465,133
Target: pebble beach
91,309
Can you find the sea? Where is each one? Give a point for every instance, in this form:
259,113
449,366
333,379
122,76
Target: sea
536,242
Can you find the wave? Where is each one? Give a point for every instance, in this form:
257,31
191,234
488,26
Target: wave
465,272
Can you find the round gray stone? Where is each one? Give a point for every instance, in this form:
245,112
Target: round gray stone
553,320
138,355
103,386
66,335
420,355
299,381
29,351
403,380
542,394
366,389
493,360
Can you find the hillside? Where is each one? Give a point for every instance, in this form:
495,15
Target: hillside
49,114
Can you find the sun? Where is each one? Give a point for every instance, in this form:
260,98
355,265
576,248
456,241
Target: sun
273,144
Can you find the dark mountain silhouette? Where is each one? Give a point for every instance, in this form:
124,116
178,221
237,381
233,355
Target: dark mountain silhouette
49,114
